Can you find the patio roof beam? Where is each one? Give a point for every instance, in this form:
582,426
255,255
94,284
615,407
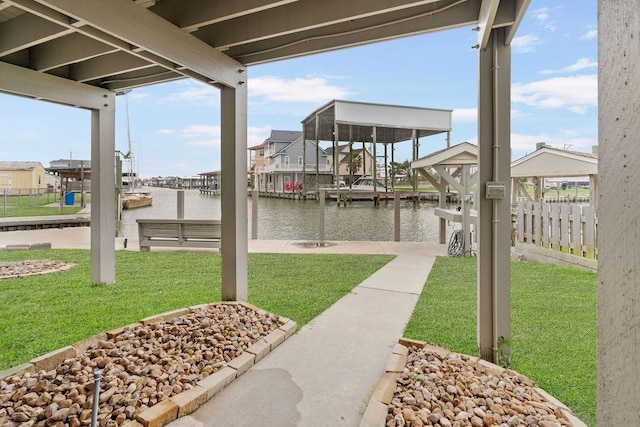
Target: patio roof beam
487,16
26,31
189,17
67,50
122,20
366,30
302,15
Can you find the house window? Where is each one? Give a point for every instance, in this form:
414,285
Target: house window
299,160
261,153
286,160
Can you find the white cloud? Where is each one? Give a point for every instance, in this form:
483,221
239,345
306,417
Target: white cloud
581,64
195,91
201,130
204,143
589,35
465,114
524,144
202,135
309,89
210,136
257,135
541,14
139,95
576,93
525,44
166,131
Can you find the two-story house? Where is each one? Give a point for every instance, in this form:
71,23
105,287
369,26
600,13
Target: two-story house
352,164
284,157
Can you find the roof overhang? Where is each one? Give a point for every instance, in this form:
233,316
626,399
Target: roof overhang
393,123
464,153
119,45
551,162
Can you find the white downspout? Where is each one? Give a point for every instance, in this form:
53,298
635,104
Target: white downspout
494,220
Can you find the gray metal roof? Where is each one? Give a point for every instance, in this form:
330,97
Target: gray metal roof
356,120
284,135
8,165
124,44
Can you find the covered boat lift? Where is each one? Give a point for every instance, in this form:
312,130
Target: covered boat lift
352,122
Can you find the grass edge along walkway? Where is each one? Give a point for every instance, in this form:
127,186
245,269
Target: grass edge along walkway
46,312
553,329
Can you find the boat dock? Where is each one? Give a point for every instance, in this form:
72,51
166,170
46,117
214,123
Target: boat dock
43,222
353,196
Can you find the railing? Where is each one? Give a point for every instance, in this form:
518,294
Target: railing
293,167
566,228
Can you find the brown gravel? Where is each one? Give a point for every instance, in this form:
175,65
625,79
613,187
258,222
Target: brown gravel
141,366
12,269
454,390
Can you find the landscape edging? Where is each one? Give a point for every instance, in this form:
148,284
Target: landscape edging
376,412
188,401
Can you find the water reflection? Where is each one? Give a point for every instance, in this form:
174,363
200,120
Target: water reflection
298,220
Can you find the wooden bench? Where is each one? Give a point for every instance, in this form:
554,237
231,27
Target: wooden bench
179,233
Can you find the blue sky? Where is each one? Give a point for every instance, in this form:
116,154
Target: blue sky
175,127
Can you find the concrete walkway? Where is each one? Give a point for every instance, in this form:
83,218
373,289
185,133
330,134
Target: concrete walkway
324,374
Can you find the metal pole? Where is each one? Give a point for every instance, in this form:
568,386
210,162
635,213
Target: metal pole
180,207
96,397
321,218
396,216
254,214
304,160
317,130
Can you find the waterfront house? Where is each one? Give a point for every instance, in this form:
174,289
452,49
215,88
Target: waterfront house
359,160
287,162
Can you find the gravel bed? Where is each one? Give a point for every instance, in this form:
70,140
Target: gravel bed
12,269
454,390
141,366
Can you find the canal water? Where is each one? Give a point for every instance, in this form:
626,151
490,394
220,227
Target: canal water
282,219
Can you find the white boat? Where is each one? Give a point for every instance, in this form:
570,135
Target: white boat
136,200
367,183
132,199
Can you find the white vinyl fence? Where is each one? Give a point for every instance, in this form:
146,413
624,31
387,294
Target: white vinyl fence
566,228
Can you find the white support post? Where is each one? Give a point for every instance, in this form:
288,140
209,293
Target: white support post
234,245
103,193
101,103
618,213
494,224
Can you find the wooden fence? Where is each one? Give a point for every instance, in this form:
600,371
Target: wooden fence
566,228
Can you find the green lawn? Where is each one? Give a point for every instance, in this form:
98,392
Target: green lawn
35,205
43,313
553,324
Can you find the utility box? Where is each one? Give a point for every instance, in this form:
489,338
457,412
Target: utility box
496,190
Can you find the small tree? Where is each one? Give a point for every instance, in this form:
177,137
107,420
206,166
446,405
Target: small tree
403,169
355,163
